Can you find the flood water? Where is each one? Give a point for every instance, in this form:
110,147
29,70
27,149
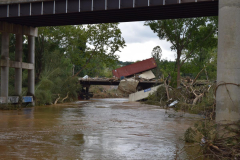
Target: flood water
99,129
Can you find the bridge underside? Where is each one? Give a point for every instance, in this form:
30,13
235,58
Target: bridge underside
143,84
74,12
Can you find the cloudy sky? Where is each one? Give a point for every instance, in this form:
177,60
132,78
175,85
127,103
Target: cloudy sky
140,41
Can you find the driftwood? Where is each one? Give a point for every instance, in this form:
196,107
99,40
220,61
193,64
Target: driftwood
191,93
197,98
197,92
166,84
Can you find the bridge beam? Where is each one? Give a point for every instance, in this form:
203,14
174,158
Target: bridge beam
14,64
228,68
18,29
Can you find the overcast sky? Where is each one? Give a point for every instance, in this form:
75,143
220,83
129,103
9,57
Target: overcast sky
140,41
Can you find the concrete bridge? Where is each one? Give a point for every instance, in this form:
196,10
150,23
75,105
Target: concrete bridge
21,17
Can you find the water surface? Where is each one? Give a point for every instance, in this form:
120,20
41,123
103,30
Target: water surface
102,129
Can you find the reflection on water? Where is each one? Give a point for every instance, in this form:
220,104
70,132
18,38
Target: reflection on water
96,129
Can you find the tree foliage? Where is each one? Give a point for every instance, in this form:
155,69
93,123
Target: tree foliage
103,41
188,36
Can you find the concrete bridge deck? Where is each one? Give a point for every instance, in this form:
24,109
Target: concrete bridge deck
87,82
37,13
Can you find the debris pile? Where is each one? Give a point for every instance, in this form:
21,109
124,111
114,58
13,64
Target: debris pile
132,74
130,85
190,94
129,77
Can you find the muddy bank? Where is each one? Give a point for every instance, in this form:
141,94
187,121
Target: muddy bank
96,129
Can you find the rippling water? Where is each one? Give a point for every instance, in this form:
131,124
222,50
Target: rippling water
102,129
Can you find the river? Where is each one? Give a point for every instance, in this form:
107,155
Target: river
98,129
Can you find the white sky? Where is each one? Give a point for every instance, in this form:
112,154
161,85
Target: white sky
140,41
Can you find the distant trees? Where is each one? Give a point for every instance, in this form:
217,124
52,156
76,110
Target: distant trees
188,36
121,63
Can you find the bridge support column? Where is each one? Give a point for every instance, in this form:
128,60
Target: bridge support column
228,66
87,92
5,69
18,58
31,74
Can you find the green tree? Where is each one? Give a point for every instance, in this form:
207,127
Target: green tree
56,80
70,41
204,58
187,36
157,54
103,40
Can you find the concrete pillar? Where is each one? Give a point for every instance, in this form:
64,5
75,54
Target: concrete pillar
228,67
5,70
87,92
18,71
31,59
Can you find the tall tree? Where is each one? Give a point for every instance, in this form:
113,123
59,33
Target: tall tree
187,35
70,41
157,54
103,40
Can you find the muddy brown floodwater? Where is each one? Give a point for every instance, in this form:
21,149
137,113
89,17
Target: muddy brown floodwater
99,129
